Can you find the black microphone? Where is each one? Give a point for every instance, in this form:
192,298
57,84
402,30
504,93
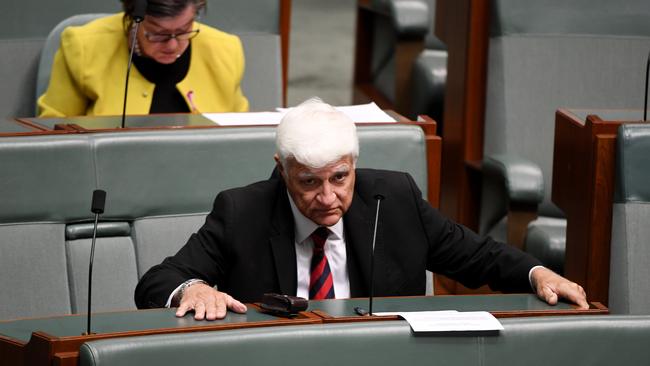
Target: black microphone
379,195
96,207
645,103
139,10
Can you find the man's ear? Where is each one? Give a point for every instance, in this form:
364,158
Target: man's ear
279,169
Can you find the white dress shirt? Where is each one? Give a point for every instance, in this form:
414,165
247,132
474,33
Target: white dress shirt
334,250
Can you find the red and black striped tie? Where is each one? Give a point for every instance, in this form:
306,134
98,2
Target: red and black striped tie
321,285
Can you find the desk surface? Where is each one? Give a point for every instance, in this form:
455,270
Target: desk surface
132,121
120,322
7,125
500,305
143,320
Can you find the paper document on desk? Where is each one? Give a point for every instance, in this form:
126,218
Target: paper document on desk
245,119
362,113
450,321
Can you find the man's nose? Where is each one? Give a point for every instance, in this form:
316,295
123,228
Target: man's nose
326,196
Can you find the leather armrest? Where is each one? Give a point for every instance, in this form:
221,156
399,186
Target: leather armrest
512,186
523,180
410,17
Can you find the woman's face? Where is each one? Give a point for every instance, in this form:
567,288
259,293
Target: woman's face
154,35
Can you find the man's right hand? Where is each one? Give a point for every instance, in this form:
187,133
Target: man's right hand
207,303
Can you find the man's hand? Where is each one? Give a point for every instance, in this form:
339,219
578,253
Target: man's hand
550,286
207,303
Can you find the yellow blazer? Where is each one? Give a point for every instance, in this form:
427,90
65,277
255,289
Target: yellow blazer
89,70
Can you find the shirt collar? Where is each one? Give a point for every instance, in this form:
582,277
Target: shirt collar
305,227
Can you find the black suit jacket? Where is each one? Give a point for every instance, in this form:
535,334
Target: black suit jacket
246,246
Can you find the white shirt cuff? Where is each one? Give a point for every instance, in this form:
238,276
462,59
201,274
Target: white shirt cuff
530,276
186,283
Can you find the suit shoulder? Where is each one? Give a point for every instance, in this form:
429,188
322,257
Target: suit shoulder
395,181
366,175
258,191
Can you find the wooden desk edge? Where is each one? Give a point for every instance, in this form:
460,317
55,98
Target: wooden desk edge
595,309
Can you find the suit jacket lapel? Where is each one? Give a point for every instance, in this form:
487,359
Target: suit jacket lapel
358,230
282,244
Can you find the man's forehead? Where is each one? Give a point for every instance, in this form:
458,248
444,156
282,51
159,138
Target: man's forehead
342,166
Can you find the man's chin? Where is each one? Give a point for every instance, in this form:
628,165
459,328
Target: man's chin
326,220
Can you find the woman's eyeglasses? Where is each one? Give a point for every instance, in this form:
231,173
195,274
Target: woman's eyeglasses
165,37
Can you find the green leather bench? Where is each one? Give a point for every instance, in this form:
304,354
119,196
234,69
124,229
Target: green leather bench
629,289
575,340
159,184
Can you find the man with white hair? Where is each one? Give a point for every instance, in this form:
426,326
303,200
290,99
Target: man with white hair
308,233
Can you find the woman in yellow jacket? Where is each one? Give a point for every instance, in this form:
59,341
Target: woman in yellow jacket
180,65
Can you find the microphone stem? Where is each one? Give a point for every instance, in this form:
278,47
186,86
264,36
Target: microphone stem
128,71
90,269
372,260
645,101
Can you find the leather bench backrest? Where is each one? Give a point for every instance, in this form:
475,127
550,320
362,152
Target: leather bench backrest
629,289
45,182
159,184
586,340
546,55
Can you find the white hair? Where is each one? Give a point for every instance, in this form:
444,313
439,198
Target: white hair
315,134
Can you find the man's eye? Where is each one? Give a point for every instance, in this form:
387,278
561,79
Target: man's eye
339,177
308,182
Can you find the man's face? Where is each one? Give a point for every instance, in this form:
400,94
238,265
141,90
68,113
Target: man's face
323,195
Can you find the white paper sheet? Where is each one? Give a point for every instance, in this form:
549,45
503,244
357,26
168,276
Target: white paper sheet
449,321
363,113
245,119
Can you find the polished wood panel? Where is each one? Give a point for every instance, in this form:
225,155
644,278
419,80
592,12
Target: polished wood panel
285,29
463,26
584,163
51,349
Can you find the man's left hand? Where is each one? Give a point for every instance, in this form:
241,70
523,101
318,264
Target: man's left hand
550,286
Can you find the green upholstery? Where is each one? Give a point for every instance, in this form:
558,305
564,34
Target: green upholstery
632,174
629,289
588,17
586,340
555,54
511,177
159,184
398,22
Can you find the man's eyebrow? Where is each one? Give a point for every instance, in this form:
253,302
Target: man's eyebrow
303,175
344,168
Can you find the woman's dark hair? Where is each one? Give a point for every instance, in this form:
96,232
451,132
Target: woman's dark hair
163,8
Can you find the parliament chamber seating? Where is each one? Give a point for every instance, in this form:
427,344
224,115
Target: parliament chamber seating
160,184
400,64
263,27
586,340
629,288
543,56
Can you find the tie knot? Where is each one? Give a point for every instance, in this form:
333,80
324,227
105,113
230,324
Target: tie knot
319,236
